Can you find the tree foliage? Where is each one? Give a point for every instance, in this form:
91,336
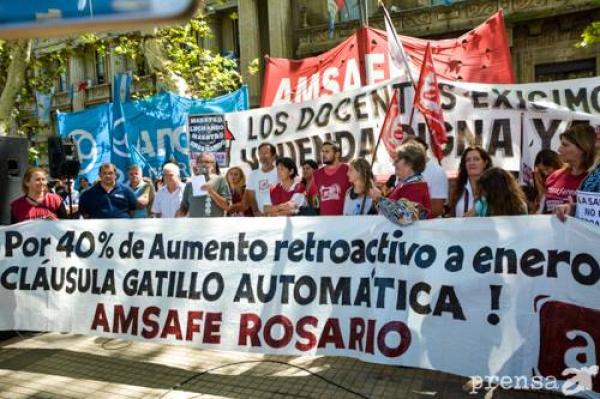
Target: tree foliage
178,56
590,35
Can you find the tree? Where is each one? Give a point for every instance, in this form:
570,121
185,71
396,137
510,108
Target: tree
16,57
172,53
591,34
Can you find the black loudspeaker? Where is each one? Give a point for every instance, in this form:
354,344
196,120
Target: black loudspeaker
63,159
13,164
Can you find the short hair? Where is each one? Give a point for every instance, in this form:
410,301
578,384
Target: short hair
584,137
271,147
171,167
214,160
336,147
106,165
313,164
134,166
412,138
28,173
414,155
548,157
289,164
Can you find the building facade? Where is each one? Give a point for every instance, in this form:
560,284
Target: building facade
542,36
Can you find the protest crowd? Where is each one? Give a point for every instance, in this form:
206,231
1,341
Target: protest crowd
280,187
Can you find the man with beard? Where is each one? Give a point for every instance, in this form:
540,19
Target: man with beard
331,182
107,199
260,180
215,197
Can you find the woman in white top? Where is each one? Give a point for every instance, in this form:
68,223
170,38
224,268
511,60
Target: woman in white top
360,196
474,161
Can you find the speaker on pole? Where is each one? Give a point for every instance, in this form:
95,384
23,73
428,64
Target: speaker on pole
13,164
63,158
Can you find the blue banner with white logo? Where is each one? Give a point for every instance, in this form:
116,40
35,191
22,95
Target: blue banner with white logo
91,131
156,130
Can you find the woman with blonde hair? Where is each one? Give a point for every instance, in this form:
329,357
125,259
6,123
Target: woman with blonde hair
362,195
38,202
241,201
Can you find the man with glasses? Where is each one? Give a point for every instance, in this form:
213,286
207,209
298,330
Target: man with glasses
207,194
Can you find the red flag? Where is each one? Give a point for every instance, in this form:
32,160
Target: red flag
391,131
481,55
427,101
227,133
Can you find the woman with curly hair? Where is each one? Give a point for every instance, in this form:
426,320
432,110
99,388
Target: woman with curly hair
499,195
474,161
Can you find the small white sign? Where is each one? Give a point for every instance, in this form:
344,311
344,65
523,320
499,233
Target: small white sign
588,207
197,183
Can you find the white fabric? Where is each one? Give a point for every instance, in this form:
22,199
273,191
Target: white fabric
500,116
436,179
352,206
443,294
460,204
167,203
261,182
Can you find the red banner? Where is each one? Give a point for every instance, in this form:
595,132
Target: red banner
480,55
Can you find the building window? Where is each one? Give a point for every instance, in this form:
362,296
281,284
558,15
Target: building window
100,68
565,70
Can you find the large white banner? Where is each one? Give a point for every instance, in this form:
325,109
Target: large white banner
513,296
512,122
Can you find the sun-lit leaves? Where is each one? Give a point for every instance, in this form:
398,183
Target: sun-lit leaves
590,35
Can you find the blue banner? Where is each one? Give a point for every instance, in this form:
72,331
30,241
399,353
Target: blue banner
156,130
120,146
91,131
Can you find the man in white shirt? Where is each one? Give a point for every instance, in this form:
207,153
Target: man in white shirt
168,198
260,180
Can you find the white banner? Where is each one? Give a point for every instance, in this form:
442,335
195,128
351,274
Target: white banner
512,122
513,296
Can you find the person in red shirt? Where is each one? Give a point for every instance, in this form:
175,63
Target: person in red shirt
409,164
577,151
37,203
287,196
331,182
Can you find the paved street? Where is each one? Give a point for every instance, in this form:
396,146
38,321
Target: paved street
56,365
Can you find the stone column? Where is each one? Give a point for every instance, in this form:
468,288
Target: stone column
280,28
250,47
77,75
213,42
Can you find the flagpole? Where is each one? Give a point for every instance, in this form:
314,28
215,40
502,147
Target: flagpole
395,92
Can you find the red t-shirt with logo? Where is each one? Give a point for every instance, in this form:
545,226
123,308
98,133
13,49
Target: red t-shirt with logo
24,209
560,186
331,186
279,195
